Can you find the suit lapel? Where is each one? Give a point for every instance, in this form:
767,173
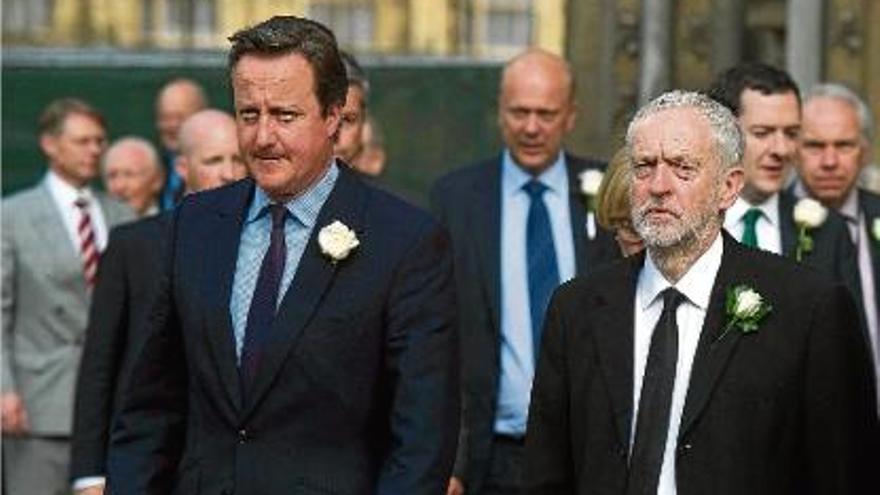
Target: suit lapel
577,213
788,230
51,234
486,201
224,230
713,352
313,277
871,207
614,328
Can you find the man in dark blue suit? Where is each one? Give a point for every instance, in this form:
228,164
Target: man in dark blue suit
520,225
302,340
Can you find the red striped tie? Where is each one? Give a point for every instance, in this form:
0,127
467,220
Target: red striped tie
87,247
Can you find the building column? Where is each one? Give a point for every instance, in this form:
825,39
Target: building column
804,42
655,69
728,26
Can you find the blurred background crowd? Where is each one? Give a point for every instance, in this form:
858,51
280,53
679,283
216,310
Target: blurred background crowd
433,65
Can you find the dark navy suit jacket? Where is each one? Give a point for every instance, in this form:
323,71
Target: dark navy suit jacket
468,202
357,393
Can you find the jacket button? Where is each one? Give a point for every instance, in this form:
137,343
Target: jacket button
242,436
684,449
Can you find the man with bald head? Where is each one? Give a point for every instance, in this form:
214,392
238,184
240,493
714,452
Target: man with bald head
519,226
132,173
177,100
209,158
209,154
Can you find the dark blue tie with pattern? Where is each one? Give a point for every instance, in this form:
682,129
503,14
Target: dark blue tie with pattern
264,302
543,271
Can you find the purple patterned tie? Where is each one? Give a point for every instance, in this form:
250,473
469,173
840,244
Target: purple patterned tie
264,302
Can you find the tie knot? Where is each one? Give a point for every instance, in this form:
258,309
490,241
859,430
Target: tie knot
278,214
672,298
752,215
535,189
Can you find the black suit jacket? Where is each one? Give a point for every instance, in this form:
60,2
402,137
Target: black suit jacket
785,410
127,279
468,202
869,203
357,393
833,252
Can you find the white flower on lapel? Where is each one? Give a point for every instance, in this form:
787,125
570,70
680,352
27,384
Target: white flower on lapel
337,241
590,180
745,309
875,229
809,213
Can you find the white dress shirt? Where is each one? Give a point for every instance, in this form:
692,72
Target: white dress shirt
767,227
65,195
696,286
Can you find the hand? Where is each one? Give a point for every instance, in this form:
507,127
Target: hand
91,490
456,487
14,416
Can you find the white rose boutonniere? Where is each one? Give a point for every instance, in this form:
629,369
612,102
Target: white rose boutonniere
590,180
808,214
337,241
875,229
745,309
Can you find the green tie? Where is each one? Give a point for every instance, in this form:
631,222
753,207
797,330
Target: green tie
750,234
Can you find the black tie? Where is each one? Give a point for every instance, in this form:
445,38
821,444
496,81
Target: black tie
652,424
264,302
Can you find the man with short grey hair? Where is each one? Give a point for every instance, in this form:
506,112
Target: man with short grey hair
132,173
835,147
695,368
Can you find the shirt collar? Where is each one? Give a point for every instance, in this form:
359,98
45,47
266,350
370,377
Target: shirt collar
305,207
695,284
513,177
64,192
850,207
769,209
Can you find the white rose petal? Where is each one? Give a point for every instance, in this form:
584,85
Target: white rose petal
337,240
875,229
810,213
748,302
590,180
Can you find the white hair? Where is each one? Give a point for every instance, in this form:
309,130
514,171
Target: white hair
134,142
841,92
729,140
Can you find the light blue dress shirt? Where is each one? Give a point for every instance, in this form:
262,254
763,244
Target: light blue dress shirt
517,361
302,216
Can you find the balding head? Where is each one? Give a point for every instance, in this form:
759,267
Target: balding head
536,108
132,172
209,153
177,100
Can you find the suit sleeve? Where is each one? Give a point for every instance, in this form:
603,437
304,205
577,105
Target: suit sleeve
7,302
438,208
548,455
99,368
422,369
146,439
841,421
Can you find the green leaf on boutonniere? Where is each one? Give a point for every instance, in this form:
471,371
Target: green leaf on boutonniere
745,309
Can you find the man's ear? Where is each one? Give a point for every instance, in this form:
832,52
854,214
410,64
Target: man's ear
181,166
49,145
731,185
333,121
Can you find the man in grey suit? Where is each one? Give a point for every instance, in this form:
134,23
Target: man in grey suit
52,235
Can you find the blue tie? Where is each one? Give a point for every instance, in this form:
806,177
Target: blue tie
264,301
541,258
